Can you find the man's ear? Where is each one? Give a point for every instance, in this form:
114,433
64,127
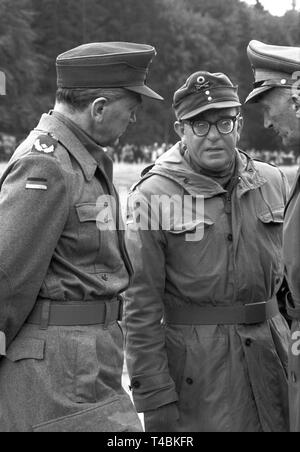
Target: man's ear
98,107
296,104
240,125
179,128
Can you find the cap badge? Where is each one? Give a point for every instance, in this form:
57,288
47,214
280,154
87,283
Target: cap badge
201,83
201,80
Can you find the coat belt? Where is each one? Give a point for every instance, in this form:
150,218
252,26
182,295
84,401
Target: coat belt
70,313
246,314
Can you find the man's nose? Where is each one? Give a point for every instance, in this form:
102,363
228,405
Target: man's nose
213,134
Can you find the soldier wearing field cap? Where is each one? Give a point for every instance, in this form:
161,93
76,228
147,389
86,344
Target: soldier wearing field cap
276,89
206,345
63,260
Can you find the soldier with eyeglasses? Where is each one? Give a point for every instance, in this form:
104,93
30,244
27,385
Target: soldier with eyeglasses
206,345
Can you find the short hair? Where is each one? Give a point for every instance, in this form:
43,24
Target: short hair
80,98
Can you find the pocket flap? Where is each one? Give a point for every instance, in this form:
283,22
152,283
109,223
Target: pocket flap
114,415
87,212
182,228
272,215
26,348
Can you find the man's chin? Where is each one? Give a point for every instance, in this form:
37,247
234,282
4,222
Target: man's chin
116,142
111,143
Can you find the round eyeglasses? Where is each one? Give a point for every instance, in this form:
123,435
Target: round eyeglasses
224,126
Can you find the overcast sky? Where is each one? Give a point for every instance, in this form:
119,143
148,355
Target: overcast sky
276,7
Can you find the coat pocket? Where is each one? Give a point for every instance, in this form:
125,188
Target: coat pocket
26,348
193,231
113,415
88,235
270,226
98,245
272,215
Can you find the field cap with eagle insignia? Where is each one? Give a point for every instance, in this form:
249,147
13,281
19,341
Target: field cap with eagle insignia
273,66
204,91
107,65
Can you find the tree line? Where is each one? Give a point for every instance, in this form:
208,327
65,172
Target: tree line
189,35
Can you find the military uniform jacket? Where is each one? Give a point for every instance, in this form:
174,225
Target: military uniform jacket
52,247
291,242
223,377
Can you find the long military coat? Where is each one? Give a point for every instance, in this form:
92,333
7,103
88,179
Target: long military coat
61,378
224,377
291,240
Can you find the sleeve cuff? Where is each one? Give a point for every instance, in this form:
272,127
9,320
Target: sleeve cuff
152,392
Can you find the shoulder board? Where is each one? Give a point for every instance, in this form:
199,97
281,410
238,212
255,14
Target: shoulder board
45,143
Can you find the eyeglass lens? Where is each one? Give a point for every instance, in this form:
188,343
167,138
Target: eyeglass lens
224,126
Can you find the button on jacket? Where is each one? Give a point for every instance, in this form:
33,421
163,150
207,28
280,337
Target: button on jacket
223,377
53,248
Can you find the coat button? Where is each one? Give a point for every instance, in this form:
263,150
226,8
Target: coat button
136,384
230,237
189,381
248,342
293,377
104,277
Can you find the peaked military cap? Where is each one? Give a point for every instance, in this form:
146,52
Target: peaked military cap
204,91
273,66
107,65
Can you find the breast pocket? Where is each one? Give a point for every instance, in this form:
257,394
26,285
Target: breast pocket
193,231
89,239
271,221
98,237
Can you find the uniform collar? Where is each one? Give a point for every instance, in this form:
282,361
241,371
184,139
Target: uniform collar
174,166
94,148
249,176
62,131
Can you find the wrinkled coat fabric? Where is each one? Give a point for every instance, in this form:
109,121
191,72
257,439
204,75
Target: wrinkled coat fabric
61,378
224,377
291,241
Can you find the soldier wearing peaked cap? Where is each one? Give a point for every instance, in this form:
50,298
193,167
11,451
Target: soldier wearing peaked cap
277,83
206,345
63,260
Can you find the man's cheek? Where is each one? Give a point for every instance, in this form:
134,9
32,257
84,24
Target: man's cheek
296,343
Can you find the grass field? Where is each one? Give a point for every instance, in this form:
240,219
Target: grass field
126,174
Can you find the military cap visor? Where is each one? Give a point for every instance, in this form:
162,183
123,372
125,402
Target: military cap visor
144,91
212,106
256,94
273,66
107,65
